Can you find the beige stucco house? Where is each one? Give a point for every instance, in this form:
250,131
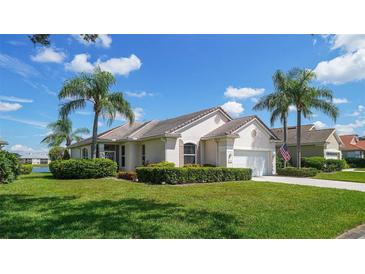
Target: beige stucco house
315,142
206,137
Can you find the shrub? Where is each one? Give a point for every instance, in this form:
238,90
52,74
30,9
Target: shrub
332,165
209,165
66,155
56,153
9,167
127,175
356,162
161,164
26,169
314,162
192,165
178,175
297,172
279,162
83,168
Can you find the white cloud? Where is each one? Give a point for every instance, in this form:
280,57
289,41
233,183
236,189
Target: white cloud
24,121
4,106
80,64
342,69
122,66
255,100
292,108
233,108
48,55
21,148
103,40
348,42
138,113
15,99
338,101
17,66
350,128
360,110
319,125
139,94
243,93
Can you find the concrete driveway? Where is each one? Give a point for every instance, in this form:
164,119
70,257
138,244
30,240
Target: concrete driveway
312,182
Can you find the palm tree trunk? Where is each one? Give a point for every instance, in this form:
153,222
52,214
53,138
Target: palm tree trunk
95,135
285,125
68,141
299,131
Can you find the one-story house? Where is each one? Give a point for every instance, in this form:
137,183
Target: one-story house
206,137
35,158
314,142
352,146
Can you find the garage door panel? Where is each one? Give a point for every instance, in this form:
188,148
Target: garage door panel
256,160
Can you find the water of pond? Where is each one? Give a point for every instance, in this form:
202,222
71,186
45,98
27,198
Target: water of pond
40,169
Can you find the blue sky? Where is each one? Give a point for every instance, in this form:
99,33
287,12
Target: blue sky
163,76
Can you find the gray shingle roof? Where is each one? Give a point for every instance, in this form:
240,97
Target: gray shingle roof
149,129
228,128
307,136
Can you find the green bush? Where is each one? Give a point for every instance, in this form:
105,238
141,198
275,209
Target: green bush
26,169
127,175
192,165
279,162
83,168
314,162
332,165
178,175
9,167
356,162
56,153
161,164
297,172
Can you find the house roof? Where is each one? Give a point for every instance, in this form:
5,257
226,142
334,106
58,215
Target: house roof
309,134
3,143
34,155
352,142
150,129
229,128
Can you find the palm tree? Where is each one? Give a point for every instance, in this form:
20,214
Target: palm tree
277,102
62,132
94,88
306,97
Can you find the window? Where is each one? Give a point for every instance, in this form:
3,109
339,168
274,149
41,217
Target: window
123,156
189,153
44,161
143,154
85,153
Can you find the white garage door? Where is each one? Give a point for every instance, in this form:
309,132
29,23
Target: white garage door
258,161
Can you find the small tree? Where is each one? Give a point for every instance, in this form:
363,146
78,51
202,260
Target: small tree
56,153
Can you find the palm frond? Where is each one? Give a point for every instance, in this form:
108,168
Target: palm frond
71,106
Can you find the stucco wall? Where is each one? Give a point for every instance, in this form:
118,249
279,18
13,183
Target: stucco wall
155,150
210,152
76,153
332,143
172,151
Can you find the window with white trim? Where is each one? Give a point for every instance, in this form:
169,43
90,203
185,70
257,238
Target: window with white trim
85,153
189,153
123,156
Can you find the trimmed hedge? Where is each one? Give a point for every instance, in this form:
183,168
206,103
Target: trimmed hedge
320,163
9,167
162,164
184,175
332,165
356,162
26,169
297,172
83,168
314,162
127,175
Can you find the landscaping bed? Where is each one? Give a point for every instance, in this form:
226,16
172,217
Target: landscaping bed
39,206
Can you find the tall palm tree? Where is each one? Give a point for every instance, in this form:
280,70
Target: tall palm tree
306,97
277,102
62,132
94,88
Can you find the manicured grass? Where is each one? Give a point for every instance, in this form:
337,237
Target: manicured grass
360,169
38,206
350,176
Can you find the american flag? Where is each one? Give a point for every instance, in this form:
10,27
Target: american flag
285,152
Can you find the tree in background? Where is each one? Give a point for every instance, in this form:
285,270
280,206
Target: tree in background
62,133
94,88
44,39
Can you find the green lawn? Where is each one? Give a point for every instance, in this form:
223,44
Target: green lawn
343,176
38,206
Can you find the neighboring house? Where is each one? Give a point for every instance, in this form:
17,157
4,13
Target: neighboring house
35,158
352,146
206,137
2,144
314,142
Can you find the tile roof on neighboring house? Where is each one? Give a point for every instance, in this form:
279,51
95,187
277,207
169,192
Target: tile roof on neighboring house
352,142
309,134
229,128
150,129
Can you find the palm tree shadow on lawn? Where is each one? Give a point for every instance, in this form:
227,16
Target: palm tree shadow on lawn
24,216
